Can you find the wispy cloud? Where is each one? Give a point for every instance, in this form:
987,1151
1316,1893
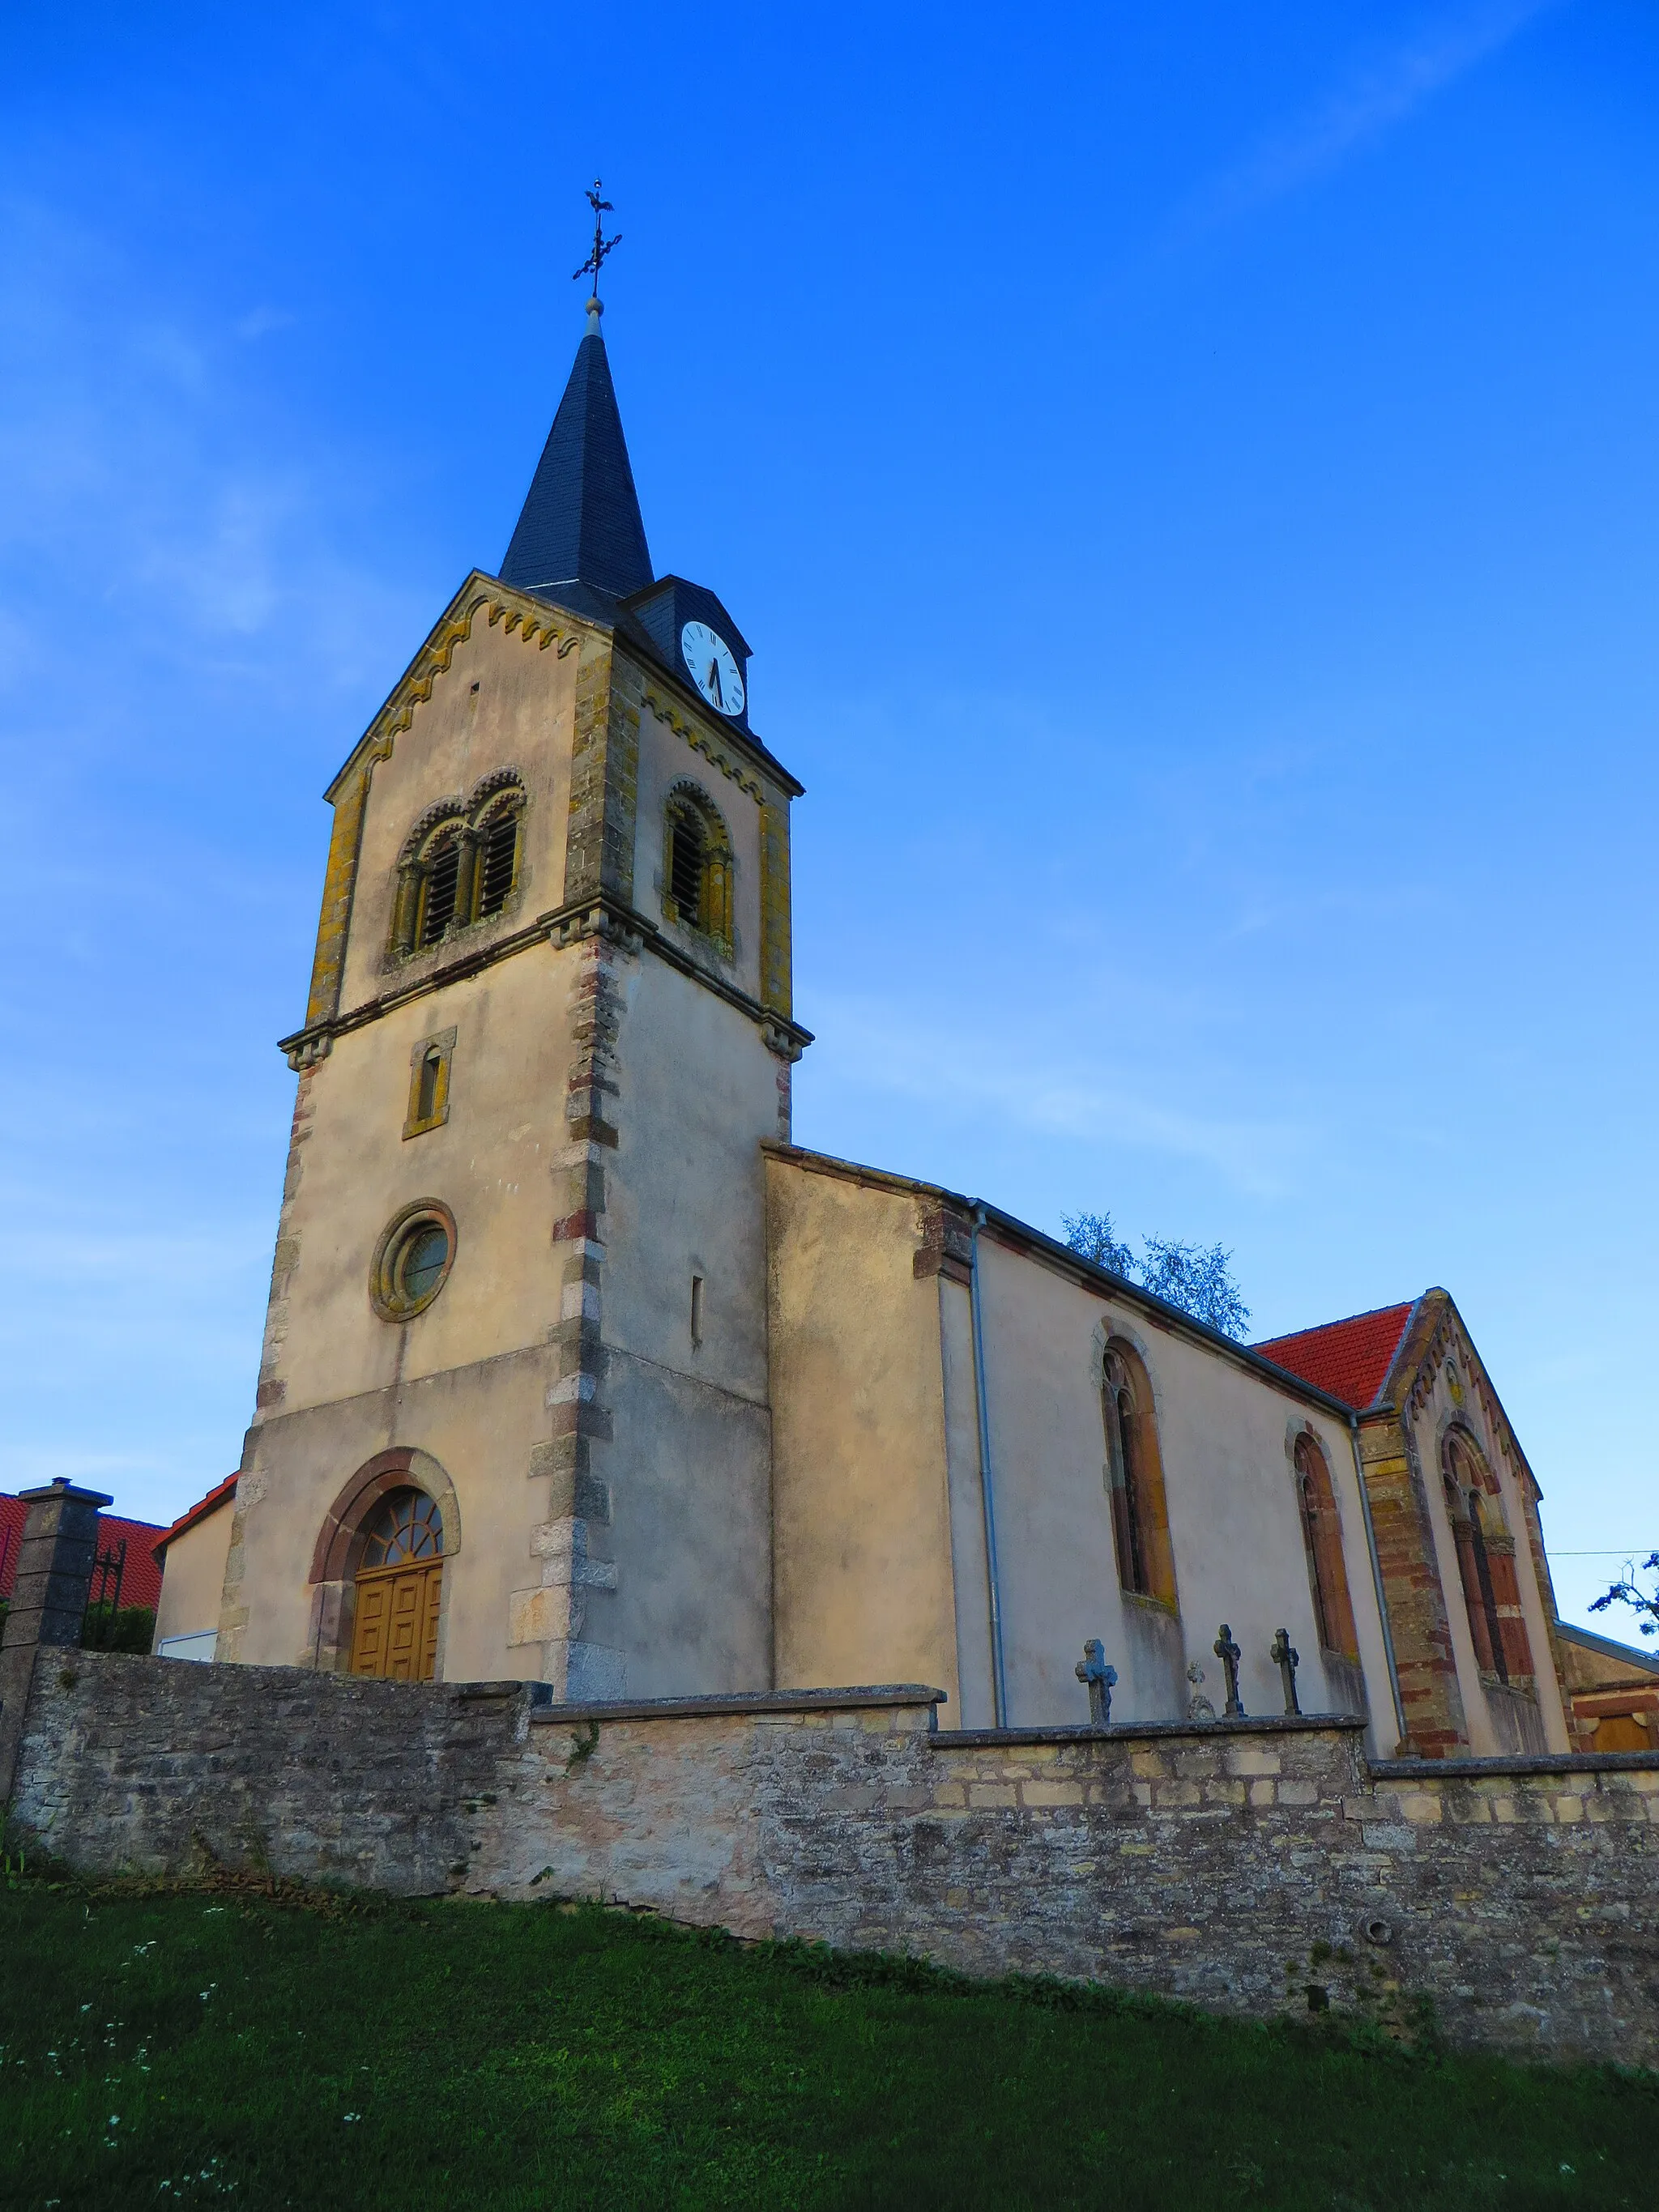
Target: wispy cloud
136,455
1377,98
261,322
878,1047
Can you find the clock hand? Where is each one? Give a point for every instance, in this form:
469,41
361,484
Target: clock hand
714,685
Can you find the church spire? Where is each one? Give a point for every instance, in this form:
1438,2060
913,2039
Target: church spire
579,540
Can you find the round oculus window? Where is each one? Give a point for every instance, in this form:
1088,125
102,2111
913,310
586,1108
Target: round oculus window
412,1259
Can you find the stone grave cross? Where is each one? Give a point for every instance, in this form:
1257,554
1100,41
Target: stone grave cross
1287,1660
1101,1681
1230,1654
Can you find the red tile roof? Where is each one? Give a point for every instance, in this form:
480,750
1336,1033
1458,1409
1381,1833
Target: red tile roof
140,1577
220,1494
1350,1358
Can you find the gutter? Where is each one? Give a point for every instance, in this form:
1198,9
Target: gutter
1376,1576
987,1497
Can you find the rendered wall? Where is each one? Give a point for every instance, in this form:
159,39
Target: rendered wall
878,1506
1226,1437
193,1577
1258,1868
862,1547
605,1482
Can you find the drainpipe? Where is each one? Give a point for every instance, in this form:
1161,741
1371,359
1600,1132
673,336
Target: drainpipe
1377,1578
999,1677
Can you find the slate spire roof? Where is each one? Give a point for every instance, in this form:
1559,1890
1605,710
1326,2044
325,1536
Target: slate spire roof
579,540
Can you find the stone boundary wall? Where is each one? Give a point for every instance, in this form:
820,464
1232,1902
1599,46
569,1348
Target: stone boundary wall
1256,1867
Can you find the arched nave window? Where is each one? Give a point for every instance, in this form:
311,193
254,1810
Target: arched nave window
1322,1532
1134,1477
1486,1562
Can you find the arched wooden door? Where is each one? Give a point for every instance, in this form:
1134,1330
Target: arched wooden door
399,1589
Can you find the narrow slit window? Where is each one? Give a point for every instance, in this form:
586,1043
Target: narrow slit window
697,1309
428,1084
426,1089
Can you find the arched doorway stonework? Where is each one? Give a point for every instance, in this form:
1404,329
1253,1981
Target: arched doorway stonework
399,1589
379,1571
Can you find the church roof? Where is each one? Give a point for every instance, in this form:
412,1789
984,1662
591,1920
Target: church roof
580,539
220,1494
1349,1359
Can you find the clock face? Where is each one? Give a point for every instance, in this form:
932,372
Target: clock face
712,667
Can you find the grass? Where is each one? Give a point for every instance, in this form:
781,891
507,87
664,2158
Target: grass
196,2046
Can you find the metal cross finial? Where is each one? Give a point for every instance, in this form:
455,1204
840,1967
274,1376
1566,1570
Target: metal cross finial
1230,1654
1101,1681
602,244
1287,1661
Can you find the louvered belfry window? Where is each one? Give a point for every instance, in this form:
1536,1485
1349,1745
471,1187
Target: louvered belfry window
696,878
461,872
685,865
498,860
438,895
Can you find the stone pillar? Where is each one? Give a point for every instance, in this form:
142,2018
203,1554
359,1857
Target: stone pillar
48,1599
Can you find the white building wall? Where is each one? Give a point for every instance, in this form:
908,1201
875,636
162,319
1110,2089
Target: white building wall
1226,1435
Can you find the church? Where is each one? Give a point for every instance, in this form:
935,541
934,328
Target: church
578,1370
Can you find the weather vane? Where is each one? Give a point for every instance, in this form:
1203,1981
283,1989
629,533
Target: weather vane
602,244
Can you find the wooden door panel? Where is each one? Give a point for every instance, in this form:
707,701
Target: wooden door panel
369,1642
434,1579
396,1635
403,1656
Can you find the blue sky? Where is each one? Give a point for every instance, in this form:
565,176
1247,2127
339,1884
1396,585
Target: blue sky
1189,475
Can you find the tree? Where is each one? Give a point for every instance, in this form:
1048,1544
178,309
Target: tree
1200,1279
1628,1591
1091,1236
1197,1278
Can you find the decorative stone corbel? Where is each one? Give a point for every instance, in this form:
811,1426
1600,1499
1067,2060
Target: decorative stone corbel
595,921
304,1052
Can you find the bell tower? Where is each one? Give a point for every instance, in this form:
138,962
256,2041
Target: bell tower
520,1267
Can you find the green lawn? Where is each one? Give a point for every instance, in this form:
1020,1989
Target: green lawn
194,2046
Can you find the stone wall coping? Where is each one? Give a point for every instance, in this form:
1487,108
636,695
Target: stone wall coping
1132,1731
1539,1762
757,1701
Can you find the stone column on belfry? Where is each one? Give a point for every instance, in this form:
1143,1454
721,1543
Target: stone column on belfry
48,1598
